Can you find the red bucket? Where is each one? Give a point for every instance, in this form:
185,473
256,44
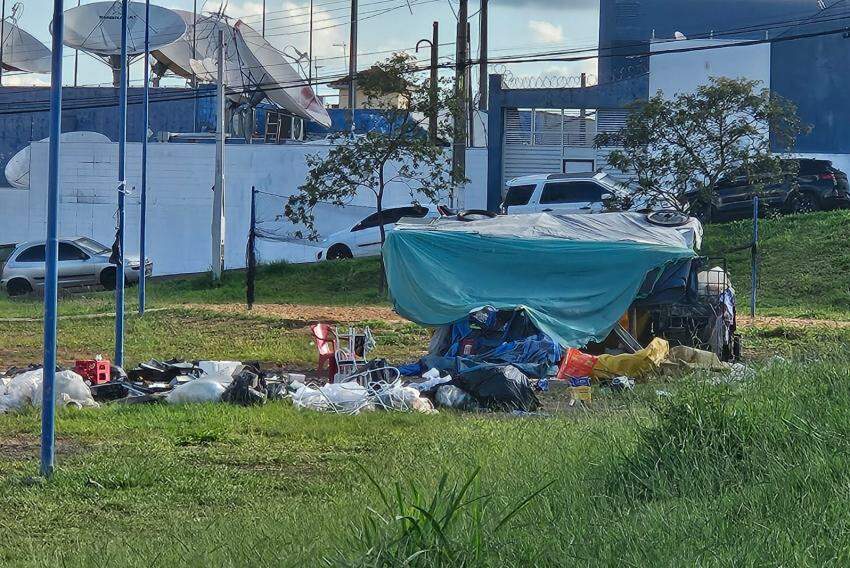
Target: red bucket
576,364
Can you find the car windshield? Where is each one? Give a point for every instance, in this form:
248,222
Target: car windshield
92,245
610,184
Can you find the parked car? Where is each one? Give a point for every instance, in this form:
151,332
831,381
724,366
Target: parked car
82,262
561,193
819,186
364,237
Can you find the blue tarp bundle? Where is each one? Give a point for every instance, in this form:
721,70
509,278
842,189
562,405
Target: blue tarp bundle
574,290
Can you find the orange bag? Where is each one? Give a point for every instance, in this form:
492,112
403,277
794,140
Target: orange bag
576,364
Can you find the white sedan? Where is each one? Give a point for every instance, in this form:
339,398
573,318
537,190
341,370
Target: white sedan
364,238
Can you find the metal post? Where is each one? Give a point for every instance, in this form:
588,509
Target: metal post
51,253
482,63
2,37
352,66
218,192
143,198
470,108
264,19
433,84
76,57
754,252
251,272
459,141
122,190
194,76
310,49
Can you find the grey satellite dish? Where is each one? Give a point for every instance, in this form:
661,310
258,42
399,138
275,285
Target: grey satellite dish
18,167
263,67
21,51
96,28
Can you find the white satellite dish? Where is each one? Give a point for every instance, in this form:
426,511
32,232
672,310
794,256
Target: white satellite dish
176,56
96,28
264,67
21,51
18,167
678,36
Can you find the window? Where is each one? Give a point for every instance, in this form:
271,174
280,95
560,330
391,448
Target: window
571,192
814,167
67,251
390,216
519,194
92,245
32,254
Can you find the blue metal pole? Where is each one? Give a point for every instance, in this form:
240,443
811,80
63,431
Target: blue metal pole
51,253
754,277
122,188
144,196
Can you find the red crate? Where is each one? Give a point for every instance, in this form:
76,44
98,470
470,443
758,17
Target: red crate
93,371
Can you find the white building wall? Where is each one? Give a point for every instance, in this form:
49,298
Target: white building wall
180,180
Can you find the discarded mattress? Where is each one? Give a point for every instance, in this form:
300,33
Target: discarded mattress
573,277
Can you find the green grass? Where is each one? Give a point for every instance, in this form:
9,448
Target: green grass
805,260
755,474
350,283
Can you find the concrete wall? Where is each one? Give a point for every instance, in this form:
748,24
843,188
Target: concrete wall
180,199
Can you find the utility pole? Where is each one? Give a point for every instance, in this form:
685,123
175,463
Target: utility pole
310,50
2,37
433,85
217,256
482,63
352,66
77,57
122,189
51,280
143,198
470,104
461,57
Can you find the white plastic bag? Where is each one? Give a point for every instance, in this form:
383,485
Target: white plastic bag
199,390
454,397
220,371
433,381
350,397
397,397
27,388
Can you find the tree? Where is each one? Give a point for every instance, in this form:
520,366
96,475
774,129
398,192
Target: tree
671,151
401,154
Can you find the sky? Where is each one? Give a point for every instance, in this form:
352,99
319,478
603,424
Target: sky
516,27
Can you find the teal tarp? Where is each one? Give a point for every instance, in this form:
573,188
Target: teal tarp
574,291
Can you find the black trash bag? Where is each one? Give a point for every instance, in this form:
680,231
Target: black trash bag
498,387
248,388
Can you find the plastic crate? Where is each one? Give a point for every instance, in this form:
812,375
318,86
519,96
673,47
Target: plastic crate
93,371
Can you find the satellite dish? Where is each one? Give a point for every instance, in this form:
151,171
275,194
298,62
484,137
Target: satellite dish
21,51
18,167
264,67
176,56
96,28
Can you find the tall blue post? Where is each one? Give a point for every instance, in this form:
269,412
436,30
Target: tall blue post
754,253
51,253
122,189
144,196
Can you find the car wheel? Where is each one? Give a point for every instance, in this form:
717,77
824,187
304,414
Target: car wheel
804,202
107,278
339,252
18,287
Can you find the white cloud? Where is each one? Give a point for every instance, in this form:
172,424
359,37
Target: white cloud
546,32
26,80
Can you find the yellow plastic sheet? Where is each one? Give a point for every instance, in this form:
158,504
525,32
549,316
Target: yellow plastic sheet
635,365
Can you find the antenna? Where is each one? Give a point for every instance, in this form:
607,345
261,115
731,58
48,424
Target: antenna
96,29
265,68
20,50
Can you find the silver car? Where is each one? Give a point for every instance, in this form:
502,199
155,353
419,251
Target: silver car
82,262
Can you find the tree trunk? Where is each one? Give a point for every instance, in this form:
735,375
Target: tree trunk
382,283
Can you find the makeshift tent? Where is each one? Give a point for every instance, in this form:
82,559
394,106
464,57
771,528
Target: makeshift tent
574,275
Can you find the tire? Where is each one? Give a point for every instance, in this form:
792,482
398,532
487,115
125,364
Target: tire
804,202
18,287
107,278
339,252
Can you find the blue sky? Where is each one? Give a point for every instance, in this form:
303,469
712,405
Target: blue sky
516,27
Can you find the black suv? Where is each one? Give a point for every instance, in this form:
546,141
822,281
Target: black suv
819,186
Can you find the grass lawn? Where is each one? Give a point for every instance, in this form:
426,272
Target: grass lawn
756,474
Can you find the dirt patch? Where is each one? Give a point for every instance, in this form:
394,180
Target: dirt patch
300,312
776,321
25,447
